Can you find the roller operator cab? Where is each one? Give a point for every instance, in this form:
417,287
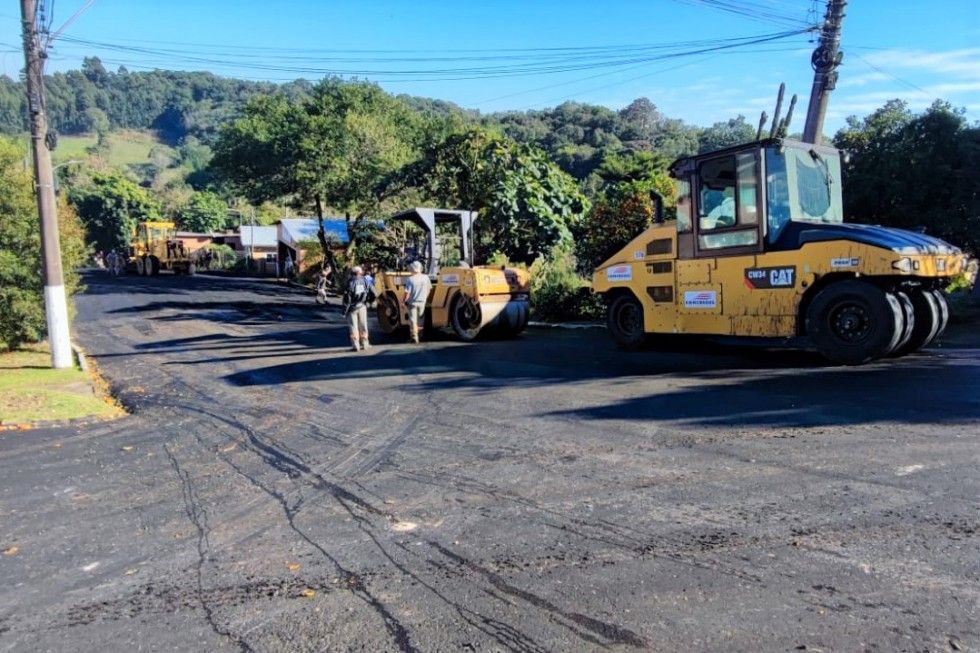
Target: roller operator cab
466,298
759,248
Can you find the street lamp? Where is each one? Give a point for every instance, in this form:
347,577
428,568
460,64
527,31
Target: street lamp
61,165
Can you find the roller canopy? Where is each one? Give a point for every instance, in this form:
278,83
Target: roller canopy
427,219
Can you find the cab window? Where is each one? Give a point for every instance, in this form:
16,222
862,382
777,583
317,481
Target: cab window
684,208
728,207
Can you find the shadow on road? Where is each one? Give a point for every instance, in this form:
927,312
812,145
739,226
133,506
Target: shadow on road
698,381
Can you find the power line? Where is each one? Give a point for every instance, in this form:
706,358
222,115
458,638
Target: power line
525,66
885,72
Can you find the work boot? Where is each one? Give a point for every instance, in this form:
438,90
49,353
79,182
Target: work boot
357,346
415,336
365,345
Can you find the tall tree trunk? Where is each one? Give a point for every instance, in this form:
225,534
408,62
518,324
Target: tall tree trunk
321,235
349,249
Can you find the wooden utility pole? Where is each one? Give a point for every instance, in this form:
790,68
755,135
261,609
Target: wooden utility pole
55,302
826,59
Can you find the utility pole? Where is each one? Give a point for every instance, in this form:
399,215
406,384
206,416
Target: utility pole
826,58
251,245
55,303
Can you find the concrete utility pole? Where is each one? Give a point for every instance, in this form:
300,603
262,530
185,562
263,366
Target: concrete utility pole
826,58
55,303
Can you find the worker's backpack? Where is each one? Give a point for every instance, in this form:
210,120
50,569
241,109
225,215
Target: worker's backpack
358,291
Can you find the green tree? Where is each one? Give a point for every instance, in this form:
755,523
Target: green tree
726,134
527,204
204,213
110,208
624,208
914,171
21,285
332,149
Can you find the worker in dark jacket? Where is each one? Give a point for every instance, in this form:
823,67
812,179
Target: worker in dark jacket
356,299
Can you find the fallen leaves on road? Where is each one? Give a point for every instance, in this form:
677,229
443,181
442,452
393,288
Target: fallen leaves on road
308,593
127,448
11,551
404,526
230,447
292,566
131,571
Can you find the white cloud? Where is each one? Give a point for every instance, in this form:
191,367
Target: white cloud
958,63
918,77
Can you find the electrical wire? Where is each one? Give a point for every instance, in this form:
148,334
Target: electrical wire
885,72
607,58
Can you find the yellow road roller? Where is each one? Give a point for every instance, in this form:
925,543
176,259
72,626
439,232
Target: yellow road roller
759,248
470,299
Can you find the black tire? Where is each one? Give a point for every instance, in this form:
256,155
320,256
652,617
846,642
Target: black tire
140,266
908,322
625,321
388,313
852,322
191,269
152,266
466,318
927,321
940,298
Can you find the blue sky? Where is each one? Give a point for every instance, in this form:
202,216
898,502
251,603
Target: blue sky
917,51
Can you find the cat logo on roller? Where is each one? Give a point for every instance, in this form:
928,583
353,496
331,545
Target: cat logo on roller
759,229
770,277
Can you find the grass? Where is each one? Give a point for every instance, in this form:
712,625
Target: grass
30,390
127,147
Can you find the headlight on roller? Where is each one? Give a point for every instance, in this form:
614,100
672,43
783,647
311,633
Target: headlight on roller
903,265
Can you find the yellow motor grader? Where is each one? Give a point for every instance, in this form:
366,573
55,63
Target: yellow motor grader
759,248
469,299
155,247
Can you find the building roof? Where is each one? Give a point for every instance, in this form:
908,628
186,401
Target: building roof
259,236
292,231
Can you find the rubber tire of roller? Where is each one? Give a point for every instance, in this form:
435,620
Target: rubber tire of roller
847,305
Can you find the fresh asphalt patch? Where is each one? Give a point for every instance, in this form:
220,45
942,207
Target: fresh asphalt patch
272,491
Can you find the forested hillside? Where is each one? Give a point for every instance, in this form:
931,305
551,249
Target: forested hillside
180,105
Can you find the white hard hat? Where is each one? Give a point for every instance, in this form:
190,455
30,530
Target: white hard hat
416,266
358,269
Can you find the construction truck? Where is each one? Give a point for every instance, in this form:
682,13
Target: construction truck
467,298
155,247
759,248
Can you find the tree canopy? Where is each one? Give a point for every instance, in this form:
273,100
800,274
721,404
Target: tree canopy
21,285
914,171
110,208
205,212
527,204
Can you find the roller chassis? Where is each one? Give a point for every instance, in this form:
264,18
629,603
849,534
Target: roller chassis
470,301
856,292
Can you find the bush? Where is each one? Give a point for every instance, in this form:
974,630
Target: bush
557,291
225,257
21,285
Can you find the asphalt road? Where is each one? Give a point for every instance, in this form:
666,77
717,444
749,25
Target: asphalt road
272,491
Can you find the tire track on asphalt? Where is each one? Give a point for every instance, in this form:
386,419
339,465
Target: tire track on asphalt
298,469
198,516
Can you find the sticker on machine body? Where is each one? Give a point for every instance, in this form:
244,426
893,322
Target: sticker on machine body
450,279
845,262
638,255
619,273
700,299
767,278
